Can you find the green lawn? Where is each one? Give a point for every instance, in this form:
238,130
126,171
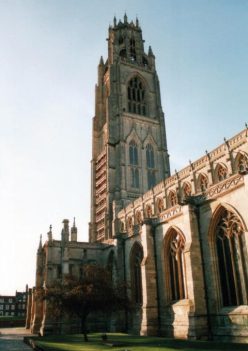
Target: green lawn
124,342
11,318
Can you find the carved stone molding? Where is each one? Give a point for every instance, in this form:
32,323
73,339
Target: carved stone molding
225,186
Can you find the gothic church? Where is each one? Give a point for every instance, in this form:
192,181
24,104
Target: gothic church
180,241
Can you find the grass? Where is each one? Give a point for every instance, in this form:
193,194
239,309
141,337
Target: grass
11,318
124,342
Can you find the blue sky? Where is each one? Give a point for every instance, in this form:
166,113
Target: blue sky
49,52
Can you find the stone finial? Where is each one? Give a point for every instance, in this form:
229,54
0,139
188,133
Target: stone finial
137,22
114,21
125,18
40,243
101,63
150,52
74,231
49,234
65,231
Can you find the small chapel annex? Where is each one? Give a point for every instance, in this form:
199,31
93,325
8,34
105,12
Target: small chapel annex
180,241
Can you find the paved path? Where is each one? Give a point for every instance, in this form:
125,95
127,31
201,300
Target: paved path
11,339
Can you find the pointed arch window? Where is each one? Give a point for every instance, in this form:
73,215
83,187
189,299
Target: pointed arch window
133,153
186,189
149,156
132,50
221,173
148,211
202,182
136,280
241,163
172,198
138,217
151,176
230,247
136,96
134,177
160,205
175,260
133,159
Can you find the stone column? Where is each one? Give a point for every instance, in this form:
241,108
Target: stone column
198,317
29,308
149,318
38,311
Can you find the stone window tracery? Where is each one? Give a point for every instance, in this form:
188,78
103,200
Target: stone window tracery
129,222
123,54
136,97
138,216
242,163
151,177
132,50
148,211
172,198
230,247
160,205
136,280
133,160
187,189
202,182
133,153
221,173
122,227
175,259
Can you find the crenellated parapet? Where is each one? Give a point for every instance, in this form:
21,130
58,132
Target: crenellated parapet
216,173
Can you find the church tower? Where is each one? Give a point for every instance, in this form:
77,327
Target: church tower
129,151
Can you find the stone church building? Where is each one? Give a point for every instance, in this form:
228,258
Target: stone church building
180,241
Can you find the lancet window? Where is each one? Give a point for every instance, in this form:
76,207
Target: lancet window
148,211
230,247
175,260
133,153
151,177
172,198
202,182
186,189
160,205
138,217
132,50
136,280
136,97
133,160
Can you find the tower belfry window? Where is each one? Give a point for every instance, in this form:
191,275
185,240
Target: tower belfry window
132,50
136,97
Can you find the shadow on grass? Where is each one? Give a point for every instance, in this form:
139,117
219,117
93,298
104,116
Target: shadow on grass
124,342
